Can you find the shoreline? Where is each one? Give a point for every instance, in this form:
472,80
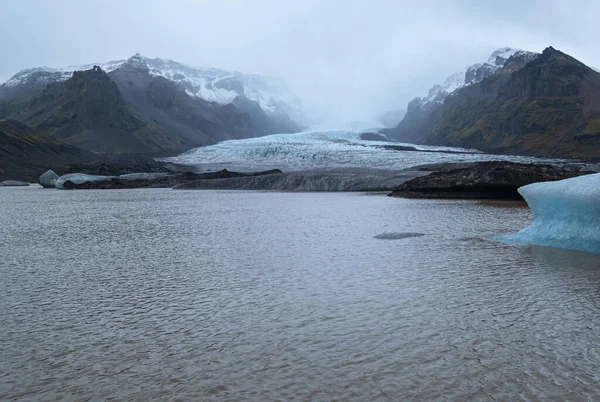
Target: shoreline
492,180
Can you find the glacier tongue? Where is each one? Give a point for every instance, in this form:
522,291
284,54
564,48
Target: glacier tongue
566,214
324,149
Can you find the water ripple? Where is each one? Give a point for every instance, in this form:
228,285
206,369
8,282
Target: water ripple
176,295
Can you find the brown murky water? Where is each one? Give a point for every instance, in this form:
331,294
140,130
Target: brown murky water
176,295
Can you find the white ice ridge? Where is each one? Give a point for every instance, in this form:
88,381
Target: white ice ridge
566,214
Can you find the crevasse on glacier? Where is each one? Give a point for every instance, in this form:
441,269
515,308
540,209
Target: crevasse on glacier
566,214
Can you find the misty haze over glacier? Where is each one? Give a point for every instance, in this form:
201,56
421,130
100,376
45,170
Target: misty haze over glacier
346,61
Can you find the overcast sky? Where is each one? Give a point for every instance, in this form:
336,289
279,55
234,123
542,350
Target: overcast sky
349,59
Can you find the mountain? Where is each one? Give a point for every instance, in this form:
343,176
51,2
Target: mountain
158,101
88,111
133,109
26,153
422,112
548,106
209,84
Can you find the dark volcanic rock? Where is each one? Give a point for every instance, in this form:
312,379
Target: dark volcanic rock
485,180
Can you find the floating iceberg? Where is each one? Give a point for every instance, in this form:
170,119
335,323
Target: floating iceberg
78,178
566,214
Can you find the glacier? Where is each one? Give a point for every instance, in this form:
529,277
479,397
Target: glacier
566,214
324,150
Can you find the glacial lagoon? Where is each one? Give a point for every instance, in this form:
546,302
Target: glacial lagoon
158,294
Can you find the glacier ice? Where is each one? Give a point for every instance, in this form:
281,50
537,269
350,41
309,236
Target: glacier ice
322,149
566,214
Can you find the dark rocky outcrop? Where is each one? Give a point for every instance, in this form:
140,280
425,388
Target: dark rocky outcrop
483,180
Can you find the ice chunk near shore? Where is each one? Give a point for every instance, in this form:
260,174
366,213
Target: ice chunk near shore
48,179
566,214
78,178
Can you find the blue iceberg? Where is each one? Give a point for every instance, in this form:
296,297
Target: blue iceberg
566,214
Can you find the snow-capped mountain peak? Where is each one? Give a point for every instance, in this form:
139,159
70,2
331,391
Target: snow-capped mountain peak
46,75
475,73
211,84
499,56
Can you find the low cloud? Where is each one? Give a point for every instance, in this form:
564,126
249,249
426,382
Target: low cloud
346,60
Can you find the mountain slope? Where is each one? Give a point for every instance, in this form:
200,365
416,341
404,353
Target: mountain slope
133,111
423,112
156,100
210,84
550,107
89,112
26,153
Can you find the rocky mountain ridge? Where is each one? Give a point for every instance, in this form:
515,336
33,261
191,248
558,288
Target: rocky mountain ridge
132,109
548,105
210,84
